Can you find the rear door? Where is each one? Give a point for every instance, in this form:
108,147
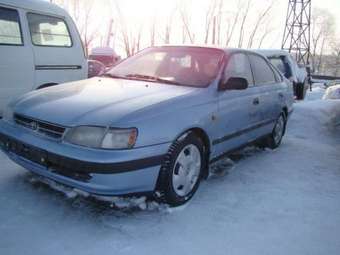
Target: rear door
270,96
16,57
58,52
239,110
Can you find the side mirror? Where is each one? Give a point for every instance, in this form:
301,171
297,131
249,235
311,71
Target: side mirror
233,83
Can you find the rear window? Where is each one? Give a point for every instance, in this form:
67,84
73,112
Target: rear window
10,33
48,31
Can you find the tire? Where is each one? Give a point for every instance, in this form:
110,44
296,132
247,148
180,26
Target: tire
300,91
275,138
183,166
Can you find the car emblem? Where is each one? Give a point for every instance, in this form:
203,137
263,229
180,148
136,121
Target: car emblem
34,125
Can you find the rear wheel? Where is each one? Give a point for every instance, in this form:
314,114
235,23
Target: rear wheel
181,171
300,91
275,138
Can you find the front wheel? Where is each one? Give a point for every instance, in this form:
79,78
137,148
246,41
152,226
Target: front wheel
275,138
181,171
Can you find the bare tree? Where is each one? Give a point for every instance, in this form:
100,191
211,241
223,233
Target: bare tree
87,34
267,31
231,25
185,18
209,17
168,25
335,46
243,22
219,16
322,30
153,31
82,14
258,23
131,39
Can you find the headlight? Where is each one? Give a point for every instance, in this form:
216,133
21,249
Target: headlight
8,113
120,138
100,137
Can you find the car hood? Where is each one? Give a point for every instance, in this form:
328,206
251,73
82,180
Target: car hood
96,101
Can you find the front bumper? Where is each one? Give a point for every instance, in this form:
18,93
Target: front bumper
100,172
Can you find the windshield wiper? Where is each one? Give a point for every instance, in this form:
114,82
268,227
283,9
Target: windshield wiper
150,78
114,76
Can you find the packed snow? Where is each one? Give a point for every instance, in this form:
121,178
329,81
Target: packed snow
285,201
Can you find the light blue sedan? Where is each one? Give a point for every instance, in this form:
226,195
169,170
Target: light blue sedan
152,124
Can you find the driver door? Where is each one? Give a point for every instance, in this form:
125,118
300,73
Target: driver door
239,110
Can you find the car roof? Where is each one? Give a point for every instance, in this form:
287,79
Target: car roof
105,51
35,5
272,52
227,50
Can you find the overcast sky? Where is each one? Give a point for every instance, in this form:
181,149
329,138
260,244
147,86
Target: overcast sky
138,13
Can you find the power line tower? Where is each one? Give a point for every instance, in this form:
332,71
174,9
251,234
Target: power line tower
296,37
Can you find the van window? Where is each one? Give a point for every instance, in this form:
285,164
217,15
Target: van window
10,33
263,73
48,31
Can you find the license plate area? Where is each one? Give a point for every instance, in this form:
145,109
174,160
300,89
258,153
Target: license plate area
28,152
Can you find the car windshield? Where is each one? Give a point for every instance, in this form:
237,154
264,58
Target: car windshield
184,66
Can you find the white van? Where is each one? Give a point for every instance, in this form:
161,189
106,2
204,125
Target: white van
39,47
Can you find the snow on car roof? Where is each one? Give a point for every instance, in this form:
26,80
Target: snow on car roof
272,52
35,5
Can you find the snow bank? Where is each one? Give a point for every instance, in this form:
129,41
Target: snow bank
324,111
332,92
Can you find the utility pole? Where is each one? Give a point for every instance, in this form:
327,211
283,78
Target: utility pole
296,38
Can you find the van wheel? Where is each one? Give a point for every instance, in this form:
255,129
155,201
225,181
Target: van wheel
181,171
275,138
300,91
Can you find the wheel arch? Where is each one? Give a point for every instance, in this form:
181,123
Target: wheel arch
203,135
46,85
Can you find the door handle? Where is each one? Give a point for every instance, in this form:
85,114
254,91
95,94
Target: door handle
256,101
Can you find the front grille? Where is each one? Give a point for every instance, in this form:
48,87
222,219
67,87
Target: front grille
45,128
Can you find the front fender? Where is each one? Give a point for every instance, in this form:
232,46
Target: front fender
172,121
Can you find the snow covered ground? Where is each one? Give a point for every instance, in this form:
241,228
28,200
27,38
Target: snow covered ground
285,201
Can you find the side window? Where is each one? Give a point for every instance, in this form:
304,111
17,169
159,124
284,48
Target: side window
281,65
263,73
48,31
278,63
278,74
239,66
10,33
